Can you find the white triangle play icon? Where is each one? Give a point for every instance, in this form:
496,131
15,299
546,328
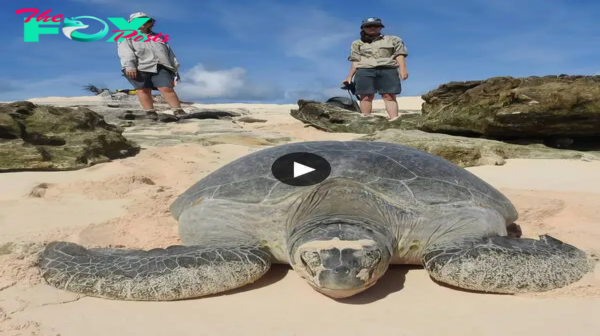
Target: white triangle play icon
300,169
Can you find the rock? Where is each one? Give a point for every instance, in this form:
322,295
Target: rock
167,118
127,123
211,114
244,139
331,118
468,152
37,137
116,115
251,120
506,107
9,128
136,115
142,115
207,132
214,132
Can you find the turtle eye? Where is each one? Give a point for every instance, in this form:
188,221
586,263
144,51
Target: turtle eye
372,255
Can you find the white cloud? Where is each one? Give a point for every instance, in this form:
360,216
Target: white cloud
231,84
319,94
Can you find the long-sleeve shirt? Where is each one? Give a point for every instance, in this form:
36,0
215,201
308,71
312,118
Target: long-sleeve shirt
145,56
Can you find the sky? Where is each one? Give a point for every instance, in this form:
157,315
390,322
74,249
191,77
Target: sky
278,51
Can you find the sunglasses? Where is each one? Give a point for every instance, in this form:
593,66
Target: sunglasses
372,26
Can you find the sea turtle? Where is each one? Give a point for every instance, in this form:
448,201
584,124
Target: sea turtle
382,204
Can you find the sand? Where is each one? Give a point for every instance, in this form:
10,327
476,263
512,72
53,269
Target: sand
125,203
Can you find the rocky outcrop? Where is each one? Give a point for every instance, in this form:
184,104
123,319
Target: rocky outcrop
207,132
468,152
558,108
37,137
167,118
332,118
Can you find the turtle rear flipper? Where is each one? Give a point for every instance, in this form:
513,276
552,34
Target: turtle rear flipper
502,264
173,273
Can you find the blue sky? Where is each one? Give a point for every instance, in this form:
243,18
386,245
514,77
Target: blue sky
280,51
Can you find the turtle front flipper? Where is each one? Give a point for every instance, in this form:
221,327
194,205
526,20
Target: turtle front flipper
173,273
505,264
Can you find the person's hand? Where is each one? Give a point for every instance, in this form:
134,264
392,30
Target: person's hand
347,81
403,74
176,79
131,73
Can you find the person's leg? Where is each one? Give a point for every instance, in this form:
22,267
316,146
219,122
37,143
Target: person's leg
365,89
366,104
145,97
170,97
143,86
391,105
164,81
388,85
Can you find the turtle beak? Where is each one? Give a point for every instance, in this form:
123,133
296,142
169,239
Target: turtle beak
341,272
343,293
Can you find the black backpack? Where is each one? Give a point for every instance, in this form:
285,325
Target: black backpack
346,103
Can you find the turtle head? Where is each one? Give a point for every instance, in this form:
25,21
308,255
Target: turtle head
340,260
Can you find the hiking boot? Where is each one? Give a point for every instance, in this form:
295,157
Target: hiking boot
128,115
179,113
151,114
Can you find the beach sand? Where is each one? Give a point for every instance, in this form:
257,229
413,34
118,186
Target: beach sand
125,203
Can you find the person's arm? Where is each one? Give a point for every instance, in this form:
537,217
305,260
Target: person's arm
127,55
401,59
400,54
352,70
354,58
176,64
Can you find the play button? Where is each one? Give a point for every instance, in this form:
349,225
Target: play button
301,169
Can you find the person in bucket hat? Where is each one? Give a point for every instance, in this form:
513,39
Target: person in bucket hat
150,64
378,66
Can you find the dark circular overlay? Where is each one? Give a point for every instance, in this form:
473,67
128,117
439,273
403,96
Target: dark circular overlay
283,169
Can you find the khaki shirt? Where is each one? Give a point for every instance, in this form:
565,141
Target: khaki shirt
379,53
145,56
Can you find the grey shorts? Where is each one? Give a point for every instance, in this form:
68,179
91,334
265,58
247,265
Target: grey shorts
150,80
377,80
